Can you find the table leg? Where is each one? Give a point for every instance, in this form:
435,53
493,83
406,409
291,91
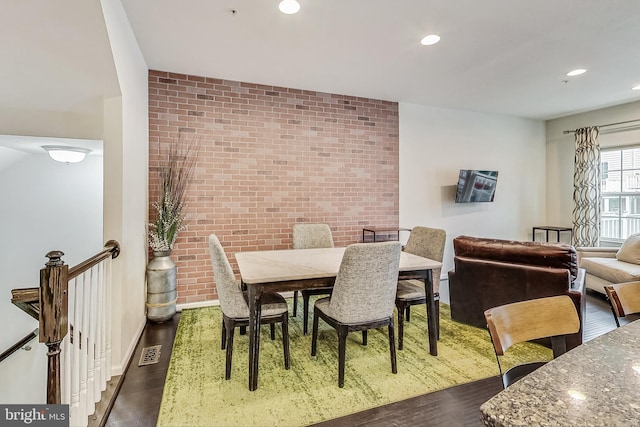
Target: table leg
431,314
255,307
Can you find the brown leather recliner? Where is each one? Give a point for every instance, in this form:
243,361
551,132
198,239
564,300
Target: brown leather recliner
492,272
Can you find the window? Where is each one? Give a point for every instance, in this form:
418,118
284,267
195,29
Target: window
619,193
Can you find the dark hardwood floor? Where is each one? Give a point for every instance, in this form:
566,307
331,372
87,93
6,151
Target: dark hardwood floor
138,401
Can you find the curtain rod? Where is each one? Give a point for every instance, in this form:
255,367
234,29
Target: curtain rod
607,125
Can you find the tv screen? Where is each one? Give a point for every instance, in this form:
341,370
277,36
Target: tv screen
476,186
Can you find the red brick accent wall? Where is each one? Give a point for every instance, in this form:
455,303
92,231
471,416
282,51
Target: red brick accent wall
271,157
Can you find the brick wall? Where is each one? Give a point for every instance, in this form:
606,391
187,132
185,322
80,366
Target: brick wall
270,157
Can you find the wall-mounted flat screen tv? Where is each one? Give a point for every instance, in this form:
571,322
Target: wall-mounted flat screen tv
476,186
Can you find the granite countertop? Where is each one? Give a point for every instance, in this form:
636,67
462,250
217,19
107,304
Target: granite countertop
595,384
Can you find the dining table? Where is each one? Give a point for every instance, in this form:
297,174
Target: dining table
298,269
594,384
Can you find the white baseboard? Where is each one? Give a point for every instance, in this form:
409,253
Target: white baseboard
199,304
120,368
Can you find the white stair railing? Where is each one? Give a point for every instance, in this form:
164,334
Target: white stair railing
79,361
87,367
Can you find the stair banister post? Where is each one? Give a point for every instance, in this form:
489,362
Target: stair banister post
53,320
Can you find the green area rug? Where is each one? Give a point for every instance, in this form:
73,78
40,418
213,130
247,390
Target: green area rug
196,393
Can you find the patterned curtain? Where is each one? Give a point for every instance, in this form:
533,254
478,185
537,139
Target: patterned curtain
586,188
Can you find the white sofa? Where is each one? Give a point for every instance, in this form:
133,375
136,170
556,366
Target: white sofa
605,266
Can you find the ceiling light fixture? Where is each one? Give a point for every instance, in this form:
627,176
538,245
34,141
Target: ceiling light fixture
64,154
430,39
289,6
636,87
576,72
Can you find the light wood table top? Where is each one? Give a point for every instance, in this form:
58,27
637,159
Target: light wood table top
302,264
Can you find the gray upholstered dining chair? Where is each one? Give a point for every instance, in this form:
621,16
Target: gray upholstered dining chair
310,236
363,297
427,243
235,310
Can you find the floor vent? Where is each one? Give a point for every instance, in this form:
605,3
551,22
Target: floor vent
150,355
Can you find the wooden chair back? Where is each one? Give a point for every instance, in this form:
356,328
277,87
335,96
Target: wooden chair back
624,298
532,319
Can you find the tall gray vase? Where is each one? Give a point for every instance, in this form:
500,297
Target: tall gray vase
161,287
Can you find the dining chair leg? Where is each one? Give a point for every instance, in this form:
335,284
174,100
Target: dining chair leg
273,331
285,340
400,327
342,347
392,347
295,303
615,316
314,333
364,337
408,313
437,316
230,326
305,312
426,309
224,337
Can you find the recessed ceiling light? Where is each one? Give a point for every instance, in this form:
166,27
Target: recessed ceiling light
636,87
430,39
289,6
576,72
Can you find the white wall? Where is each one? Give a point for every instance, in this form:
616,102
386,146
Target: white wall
435,143
47,205
123,125
560,153
126,177
51,123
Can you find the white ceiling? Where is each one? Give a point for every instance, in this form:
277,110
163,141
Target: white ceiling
14,148
55,56
496,56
